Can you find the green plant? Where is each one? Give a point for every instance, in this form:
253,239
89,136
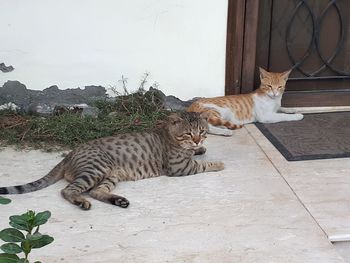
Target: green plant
4,201
17,242
129,112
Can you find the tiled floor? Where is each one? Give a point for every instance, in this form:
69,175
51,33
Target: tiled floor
343,249
323,186
250,212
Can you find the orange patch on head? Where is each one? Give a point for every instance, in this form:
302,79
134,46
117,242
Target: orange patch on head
272,83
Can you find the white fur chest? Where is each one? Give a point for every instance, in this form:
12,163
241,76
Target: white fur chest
265,105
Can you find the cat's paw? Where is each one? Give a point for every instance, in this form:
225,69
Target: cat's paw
217,166
298,116
120,201
83,204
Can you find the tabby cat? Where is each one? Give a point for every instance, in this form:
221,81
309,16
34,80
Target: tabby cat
263,105
99,165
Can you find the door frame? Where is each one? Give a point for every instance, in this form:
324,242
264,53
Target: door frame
242,24
241,60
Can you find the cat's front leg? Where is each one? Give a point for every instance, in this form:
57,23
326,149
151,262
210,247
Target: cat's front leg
199,151
196,166
277,117
213,166
287,110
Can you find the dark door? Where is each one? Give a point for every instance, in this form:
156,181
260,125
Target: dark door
313,38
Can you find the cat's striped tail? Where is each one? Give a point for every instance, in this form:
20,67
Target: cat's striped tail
52,177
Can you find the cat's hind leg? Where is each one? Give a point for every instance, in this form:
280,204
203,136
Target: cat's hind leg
220,116
219,131
102,191
73,191
222,122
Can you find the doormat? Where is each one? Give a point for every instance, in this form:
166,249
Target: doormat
317,136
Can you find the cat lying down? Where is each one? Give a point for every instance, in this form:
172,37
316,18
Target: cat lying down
227,113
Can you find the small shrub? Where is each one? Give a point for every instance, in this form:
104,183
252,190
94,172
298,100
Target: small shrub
17,242
125,113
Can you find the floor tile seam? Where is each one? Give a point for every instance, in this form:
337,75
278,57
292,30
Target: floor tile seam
285,180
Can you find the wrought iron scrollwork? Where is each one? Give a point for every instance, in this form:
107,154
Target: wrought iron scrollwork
314,43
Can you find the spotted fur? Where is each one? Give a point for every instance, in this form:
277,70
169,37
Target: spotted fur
96,167
263,105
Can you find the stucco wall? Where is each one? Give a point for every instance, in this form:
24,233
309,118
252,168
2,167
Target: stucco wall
73,43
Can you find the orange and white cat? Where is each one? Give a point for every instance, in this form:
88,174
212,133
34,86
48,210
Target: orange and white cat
263,105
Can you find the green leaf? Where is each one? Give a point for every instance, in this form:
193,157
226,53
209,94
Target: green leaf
37,262
18,226
11,248
19,222
8,258
41,218
35,236
11,235
4,201
43,241
23,260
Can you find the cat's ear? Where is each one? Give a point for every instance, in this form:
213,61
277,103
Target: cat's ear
285,74
174,118
263,73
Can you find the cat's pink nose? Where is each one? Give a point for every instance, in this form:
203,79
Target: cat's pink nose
196,139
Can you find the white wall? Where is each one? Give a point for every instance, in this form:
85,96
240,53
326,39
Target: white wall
74,43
